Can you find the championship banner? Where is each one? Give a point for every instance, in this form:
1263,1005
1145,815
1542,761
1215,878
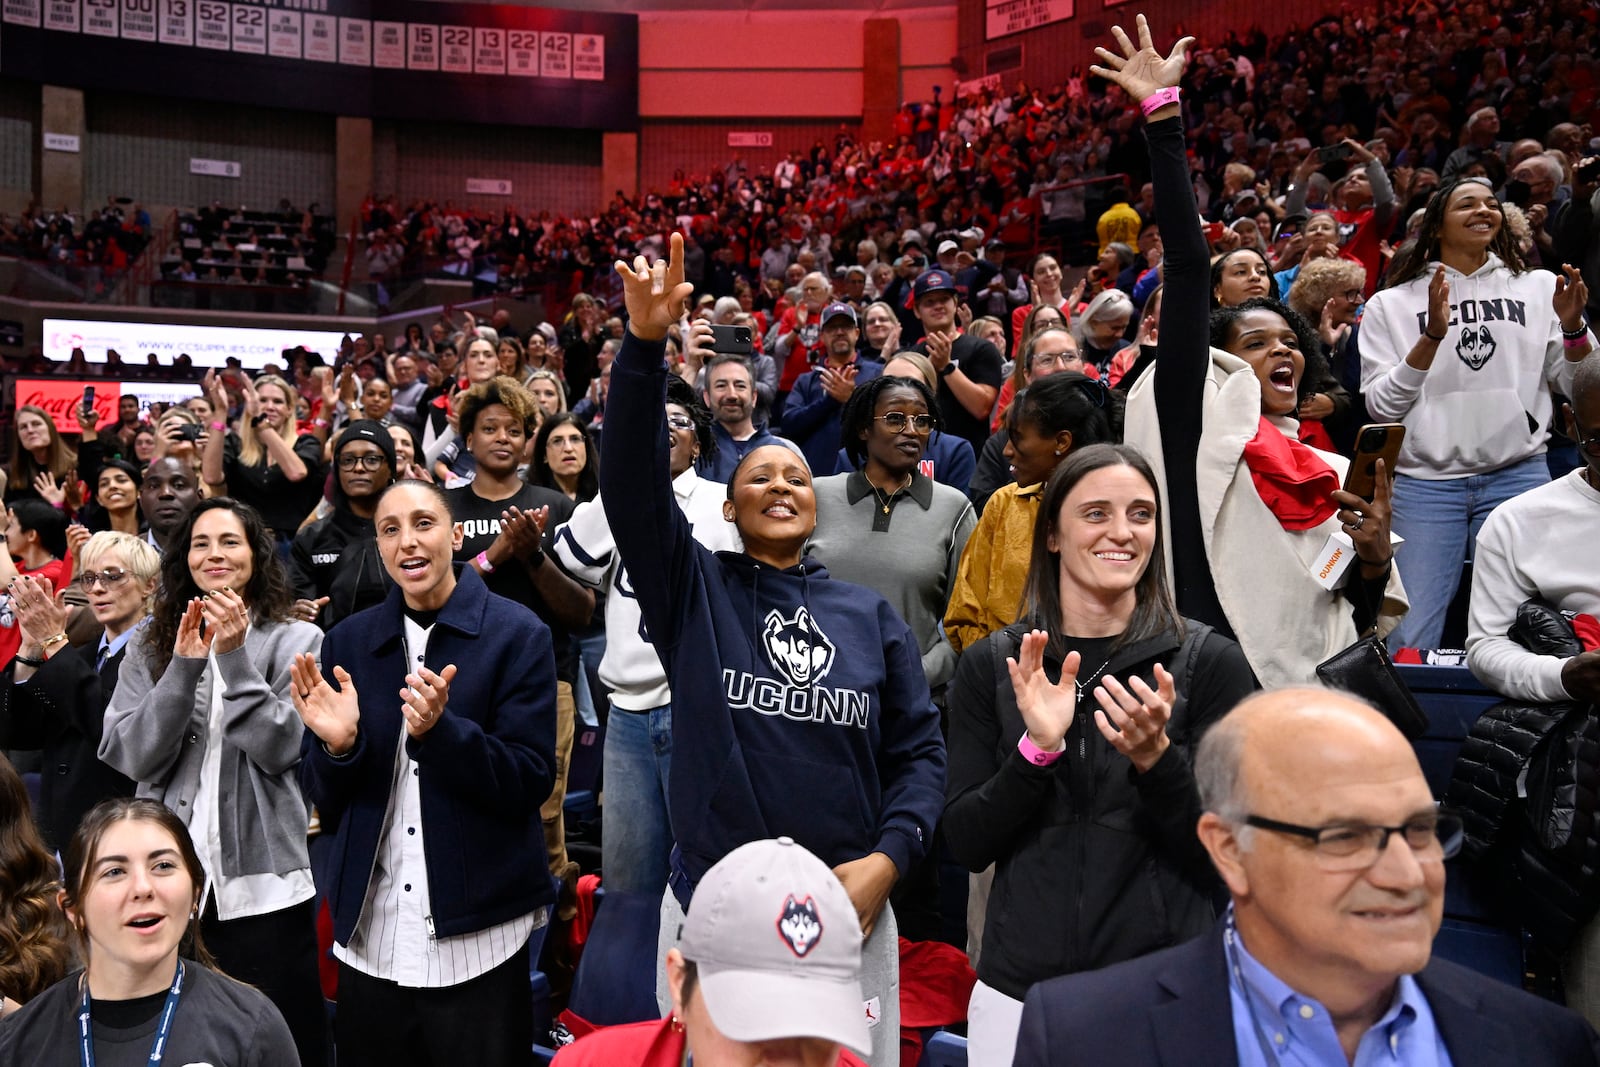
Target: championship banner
62,397
206,346
403,59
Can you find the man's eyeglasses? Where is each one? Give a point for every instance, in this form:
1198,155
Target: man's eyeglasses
1590,444
679,422
1357,846
368,462
896,422
110,578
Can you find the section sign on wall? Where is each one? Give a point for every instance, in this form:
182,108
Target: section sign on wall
1002,17
404,59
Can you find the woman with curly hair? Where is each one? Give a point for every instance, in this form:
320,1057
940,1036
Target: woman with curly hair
35,941
202,719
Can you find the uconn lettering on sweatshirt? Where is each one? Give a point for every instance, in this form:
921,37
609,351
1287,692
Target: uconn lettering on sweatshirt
802,655
1472,312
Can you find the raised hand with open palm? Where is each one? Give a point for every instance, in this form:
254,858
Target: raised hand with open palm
1142,71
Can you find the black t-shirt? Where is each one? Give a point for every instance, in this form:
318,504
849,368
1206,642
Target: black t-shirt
480,525
283,504
980,361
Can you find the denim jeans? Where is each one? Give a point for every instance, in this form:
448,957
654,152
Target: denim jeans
591,649
635,836
1440,521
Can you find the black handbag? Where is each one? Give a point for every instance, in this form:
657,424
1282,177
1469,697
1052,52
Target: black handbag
1366,670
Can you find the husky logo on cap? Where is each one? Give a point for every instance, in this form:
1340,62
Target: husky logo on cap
800,925
797,648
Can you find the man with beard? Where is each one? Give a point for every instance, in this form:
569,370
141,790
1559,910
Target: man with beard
168,491
811,417
731,396
333,564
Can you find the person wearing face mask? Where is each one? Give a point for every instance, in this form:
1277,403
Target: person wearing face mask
58,702
756,979
1248,505
1465,348
853,769
333,564
202,719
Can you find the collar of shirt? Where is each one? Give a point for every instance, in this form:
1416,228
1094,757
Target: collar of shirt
109,648
1301,1032
920,489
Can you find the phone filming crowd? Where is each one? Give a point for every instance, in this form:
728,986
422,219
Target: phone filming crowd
961,654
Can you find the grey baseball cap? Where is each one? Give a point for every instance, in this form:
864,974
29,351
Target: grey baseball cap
777,945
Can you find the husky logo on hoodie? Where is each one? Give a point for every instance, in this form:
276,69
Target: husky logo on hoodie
800,926
1475,347
797,648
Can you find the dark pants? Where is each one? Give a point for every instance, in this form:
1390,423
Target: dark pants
486,1022
277,953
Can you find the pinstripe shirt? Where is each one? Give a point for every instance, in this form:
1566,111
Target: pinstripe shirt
394,938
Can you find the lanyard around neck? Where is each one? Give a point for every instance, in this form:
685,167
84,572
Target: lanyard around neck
1269,1055
158,1048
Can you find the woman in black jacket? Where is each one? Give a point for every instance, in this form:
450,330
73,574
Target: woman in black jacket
1070,734
333,564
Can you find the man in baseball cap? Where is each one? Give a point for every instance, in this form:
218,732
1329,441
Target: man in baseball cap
768,968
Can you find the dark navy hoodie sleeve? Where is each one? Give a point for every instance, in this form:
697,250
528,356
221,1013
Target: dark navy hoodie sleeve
911,752
652,535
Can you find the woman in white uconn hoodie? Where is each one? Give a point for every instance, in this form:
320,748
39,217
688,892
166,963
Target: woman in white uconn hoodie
1464,348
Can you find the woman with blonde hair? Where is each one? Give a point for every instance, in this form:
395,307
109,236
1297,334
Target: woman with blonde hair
43,465
35,940
265,464
59,701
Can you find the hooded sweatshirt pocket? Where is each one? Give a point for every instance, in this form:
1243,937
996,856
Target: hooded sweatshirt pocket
820,805
1465,432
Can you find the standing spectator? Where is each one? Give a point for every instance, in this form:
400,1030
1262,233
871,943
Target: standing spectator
811,416
799,334
259,465
636,836
1476,423
436,887
969,368
59,701
1364,205
334,567
202,720
731,396
1119,222
859,780
168,492
406,387
580,339
36,546
42,464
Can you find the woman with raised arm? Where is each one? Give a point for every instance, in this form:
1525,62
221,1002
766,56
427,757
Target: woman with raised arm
804,709
264,465
1248,507
202,719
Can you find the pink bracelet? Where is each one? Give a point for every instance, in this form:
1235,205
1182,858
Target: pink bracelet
482,560
219,426
1036,755
1575,342
1159,99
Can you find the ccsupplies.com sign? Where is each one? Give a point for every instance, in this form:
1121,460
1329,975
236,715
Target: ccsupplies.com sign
206,346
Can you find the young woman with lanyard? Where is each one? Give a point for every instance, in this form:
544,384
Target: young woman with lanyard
1248,507
149,992
800,706
1075,775
202,719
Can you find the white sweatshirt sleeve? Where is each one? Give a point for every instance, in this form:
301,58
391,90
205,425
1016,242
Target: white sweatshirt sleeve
1500,585
1388,332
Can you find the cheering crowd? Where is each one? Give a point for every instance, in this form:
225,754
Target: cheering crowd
860,566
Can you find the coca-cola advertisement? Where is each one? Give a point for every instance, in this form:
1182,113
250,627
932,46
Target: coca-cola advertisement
62,397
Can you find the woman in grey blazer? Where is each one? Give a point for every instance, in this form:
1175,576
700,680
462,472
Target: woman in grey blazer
203,721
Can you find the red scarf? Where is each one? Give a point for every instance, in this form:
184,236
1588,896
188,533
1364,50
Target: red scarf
1294,482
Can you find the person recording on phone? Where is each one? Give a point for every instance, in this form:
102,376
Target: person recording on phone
1363,201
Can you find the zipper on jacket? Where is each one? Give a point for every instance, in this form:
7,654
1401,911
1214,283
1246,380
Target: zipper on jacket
432,937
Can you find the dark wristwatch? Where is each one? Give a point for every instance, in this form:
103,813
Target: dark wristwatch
949,368
255,423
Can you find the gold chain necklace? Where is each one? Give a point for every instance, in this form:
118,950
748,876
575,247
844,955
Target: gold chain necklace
883,497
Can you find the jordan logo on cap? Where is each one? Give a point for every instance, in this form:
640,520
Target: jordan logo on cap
800,925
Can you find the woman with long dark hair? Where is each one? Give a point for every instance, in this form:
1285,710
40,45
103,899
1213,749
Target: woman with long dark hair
134,884
1249,507
35,942
1103,660
565,459
1476,419
202,719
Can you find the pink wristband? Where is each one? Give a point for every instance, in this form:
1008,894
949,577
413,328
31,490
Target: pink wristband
1575,342
1036,755
219,426
482,560
1159,99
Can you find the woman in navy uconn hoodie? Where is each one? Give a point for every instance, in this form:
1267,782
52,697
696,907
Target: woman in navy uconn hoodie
804,710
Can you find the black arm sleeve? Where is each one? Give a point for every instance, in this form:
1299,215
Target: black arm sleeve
1184,362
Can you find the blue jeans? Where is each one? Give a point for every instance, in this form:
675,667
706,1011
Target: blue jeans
591,649
1440,521
635,836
